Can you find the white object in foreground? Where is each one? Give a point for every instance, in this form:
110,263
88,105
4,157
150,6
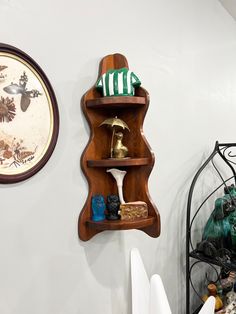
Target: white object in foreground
158,299
146,298
140,284
209,306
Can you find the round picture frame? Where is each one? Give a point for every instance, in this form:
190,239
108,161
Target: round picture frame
29,116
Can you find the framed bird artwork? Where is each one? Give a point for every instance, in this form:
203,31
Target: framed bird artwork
29,117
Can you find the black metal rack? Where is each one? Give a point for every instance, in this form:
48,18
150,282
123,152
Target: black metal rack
225,152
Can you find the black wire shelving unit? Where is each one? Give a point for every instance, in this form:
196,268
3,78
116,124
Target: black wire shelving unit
194,257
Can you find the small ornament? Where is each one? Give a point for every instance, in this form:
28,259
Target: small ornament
119,177
229,309
230,306
113,206
115,124
133,210
119,82
212,291
228,282
119,151
98,208
230,297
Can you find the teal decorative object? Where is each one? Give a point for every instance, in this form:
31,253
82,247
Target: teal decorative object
216,228
217,232
220,230
120,82
98,208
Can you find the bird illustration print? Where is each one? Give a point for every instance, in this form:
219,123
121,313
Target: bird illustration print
20,88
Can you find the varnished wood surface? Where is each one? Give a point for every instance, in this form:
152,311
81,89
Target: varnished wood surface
121,224
119,101
135,186
118,162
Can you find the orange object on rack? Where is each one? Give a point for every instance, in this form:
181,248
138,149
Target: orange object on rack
212,291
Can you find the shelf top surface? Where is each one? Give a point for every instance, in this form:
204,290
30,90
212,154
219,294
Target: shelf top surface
114,162
121,224
116,101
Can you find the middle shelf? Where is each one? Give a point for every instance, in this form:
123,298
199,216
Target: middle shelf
119,162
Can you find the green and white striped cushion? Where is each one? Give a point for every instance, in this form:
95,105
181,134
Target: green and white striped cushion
119,82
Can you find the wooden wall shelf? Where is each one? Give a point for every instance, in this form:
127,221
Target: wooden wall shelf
118,102
120,225
95,158
118,163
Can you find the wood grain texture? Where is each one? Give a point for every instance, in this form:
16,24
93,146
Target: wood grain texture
116,102
118,162
121,224
98,149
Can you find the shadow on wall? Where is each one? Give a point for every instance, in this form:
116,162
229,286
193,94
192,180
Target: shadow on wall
108,263
175,277
178,209
105,254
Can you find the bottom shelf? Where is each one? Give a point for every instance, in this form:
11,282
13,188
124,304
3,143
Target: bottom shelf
121,224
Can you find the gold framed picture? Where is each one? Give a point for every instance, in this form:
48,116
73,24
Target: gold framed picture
29,117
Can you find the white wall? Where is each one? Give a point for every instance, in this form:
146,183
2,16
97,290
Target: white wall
184,52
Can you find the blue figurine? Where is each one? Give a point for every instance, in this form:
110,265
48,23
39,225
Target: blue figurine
98,208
